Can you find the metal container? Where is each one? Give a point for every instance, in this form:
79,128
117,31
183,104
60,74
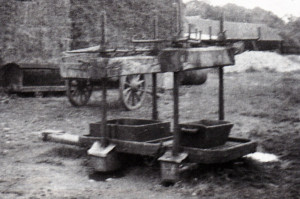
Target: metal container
130,129
204,133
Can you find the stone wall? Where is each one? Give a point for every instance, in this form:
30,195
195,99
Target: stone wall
125,19
35,31
38,31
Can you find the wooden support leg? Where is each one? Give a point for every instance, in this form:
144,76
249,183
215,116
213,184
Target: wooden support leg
103,159
170,166
169,172
104,114
154,97
176,114
170,161
221,94
254,45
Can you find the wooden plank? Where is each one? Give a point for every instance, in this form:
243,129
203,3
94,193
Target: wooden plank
38,66
63,138
93,49
41,89
180,59
160,140
96,49
151,41
138,148
130,147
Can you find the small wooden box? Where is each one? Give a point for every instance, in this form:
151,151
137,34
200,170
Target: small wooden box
130,129
204,133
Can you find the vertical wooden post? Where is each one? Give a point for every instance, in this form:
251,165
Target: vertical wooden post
155,28
117,39
154,97
190,31
154,82
221,74
210,32
221,94
177,20
104,91
200,35
103,31
281,47
180,17
222,24
176,139
221,35
196,34
259,33
174,16
104,113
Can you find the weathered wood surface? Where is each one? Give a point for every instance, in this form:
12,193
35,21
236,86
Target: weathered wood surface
181,59
233,149
91,66
130,147
93,49
130,129
42,89
98,68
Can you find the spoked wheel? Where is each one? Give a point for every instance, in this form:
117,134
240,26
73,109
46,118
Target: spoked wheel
133,91
79,91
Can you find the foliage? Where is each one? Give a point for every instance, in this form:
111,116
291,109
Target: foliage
289,31
292,32
234,13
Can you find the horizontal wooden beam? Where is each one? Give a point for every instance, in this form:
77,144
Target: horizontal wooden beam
27,89
91,66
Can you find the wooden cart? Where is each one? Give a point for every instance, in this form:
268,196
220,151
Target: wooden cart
82,72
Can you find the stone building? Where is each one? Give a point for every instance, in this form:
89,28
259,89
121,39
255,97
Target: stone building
36,32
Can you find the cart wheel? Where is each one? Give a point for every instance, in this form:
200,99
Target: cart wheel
133,91
79,91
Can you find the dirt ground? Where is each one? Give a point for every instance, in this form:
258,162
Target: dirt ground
264,106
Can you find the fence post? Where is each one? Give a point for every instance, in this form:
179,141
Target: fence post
259,33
